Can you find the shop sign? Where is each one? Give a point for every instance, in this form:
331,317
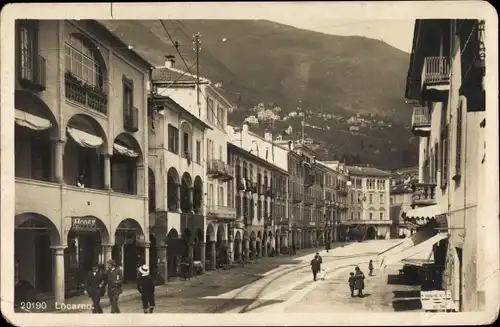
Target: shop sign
437,300
88,224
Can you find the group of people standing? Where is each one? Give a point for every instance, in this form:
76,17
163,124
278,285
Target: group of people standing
97,280
356,279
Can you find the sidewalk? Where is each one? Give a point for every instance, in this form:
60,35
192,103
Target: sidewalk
210,283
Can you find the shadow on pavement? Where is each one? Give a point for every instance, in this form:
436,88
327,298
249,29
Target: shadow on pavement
261,305
366,295
406,305
399,280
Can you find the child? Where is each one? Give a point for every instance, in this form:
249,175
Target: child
351,283
370,267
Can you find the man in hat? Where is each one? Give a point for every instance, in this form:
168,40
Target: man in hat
146,286
114,281
93,286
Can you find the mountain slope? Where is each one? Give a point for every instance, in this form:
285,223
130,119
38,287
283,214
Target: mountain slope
263,61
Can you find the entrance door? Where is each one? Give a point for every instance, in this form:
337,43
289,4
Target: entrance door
43,265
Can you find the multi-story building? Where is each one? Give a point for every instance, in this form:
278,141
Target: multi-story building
369,202
259,193
337,189
176,179
445,81
201,162
402,182
81,140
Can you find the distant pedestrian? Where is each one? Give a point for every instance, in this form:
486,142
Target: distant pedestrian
146,286
327,247
370,267
315,266
352,283
114,281
320,259
359,281
93,288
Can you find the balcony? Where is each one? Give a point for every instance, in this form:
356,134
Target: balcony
85,94
421,121
423,194
296,197
35,77
221,212
308,199
218,169
131,119
435,78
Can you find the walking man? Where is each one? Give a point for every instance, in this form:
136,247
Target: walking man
315,266
93,286
114,281
146,286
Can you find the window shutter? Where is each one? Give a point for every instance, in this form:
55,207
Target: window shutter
458,153
444,157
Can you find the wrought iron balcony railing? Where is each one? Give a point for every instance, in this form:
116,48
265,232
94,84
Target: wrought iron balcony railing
436,70
131,119
221,212
424,194
421,121
218,169
85,94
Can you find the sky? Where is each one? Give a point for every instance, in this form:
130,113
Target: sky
398,33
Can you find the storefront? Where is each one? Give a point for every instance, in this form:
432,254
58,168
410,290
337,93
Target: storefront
84,250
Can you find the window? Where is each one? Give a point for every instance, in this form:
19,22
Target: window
220,196
458,153
371,215
81,62
381,198
210,196
444,157
173,139
198,152
185,144
371,198
352,215
210,150
359,215
128,98
210,110
28,51
436,161
381,216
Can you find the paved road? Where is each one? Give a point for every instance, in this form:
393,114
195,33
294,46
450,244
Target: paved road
288,287
282,284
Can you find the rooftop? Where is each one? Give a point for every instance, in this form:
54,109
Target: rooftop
174,75
368,171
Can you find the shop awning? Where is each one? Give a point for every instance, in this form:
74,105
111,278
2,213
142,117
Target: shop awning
427,212
85,139
415,239
30,121
124,150
423,249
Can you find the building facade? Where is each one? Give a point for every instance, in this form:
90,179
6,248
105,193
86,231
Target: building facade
81,140
402,182
211,240
369,214
445,81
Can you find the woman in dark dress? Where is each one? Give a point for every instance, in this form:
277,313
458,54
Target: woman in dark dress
146,286
359,281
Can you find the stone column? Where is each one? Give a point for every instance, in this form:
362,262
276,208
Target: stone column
247,247
191,196
106,251
107,171
58,160
265,242
202,256
178,187
213,255
253,248
191,256
161,259
278,245
146,246
58,274
242,198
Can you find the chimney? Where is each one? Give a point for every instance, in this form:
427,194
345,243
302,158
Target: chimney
245,127
268,136
169,61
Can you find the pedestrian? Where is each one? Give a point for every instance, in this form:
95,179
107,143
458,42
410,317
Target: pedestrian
359,281
146,286
327,247
352,282
114,281
370,267
320,259
93,287
315,266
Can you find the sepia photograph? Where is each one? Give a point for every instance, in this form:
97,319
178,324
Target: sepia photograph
234,158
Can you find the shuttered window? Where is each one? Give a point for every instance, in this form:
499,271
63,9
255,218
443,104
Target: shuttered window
444,157
458,150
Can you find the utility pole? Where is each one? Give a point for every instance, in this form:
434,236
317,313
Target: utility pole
197,48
